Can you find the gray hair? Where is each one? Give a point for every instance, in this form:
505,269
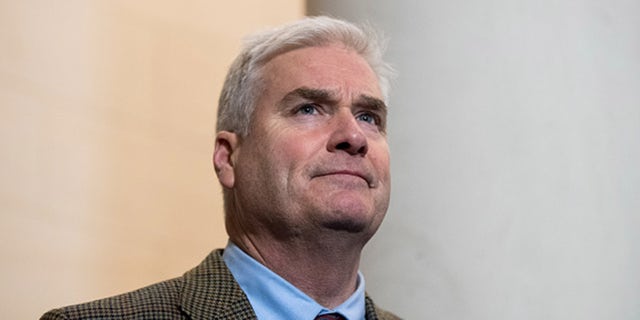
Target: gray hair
243,83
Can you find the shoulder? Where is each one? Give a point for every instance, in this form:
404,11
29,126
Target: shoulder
157,301
170,299
374,312
386,315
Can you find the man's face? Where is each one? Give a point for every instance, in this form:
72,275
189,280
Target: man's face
316,156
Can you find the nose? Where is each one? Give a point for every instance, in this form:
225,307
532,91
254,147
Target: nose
347,136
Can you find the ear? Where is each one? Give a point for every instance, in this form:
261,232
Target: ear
223,157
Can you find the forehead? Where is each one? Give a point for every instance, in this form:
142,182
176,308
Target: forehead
331,67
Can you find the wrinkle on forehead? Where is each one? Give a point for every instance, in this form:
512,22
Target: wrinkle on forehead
331,97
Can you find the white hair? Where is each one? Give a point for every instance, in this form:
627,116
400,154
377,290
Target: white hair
243,83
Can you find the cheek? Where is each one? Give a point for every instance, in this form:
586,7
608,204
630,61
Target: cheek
298,147
283,158
381,160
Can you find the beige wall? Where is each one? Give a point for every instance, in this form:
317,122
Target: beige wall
106,130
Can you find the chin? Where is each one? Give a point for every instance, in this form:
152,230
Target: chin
347,225
352,220
349,214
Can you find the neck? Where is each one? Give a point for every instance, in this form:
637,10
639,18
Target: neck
324,268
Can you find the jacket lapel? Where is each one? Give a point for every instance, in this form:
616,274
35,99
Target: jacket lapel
211,292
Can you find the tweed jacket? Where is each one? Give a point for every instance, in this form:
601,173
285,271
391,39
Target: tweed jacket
208,291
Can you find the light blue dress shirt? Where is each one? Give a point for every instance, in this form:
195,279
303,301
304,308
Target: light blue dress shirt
273,298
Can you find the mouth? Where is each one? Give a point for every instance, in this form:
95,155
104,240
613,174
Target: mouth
368,178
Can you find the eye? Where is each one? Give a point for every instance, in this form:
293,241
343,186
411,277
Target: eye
307,109
368,118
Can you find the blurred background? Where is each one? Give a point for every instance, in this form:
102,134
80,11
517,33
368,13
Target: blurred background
514,129
106,134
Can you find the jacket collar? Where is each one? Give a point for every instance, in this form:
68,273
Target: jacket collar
210,291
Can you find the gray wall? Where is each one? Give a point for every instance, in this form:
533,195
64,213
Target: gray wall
515,136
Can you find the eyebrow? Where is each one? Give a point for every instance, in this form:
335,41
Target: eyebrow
317,95
371,103
328,97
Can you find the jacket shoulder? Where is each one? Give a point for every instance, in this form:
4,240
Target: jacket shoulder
373,312
205,290
386,315
157,301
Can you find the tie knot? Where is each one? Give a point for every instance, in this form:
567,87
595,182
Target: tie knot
330,316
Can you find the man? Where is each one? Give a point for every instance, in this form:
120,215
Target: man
302,155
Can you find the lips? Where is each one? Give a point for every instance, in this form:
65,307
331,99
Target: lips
364,175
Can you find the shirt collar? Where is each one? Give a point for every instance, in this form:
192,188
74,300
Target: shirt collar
272,297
